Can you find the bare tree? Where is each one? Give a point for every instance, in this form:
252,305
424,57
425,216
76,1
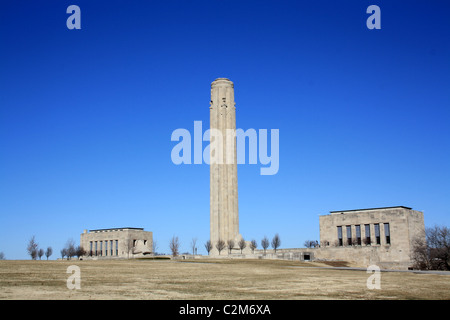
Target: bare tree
70,249
129,246
32,248
438,239
230,245
242,244
276,242
265,243
40,253
311,244
193,245
174,246
420,254
48,252
79,251
432,251
208,246
71,252
154,246
2,256
253,245
220,245
63,252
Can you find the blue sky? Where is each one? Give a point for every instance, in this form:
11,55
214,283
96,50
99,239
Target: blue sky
86,115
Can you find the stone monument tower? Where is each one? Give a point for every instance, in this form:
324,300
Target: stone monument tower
224,213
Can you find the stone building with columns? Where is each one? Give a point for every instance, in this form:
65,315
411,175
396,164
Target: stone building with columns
382,236
376,236
117,243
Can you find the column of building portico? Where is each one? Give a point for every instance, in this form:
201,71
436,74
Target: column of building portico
372,234
344,235
382,234
363,234
354,236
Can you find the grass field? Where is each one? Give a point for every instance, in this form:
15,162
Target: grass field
209,279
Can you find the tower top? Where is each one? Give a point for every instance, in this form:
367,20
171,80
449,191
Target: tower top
223,82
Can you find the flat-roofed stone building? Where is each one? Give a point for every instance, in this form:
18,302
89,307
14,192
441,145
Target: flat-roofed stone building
381,236
117,242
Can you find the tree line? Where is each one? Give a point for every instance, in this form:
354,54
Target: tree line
221,245
35,252
433,253
69,251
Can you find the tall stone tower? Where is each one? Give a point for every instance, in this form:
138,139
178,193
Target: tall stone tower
224,213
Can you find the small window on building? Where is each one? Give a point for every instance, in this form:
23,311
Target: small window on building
367,233
377,232
106,248
117,247
339,234
306,257
111,247
387,233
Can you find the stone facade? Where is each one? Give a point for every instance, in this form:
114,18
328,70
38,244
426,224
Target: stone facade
382,236
117,243
298,254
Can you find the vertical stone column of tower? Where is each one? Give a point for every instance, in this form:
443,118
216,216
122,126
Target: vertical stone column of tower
224,214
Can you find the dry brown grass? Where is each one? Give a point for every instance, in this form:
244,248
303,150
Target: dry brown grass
209,279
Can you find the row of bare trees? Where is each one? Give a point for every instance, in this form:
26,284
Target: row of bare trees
221,245
70,250
35,252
